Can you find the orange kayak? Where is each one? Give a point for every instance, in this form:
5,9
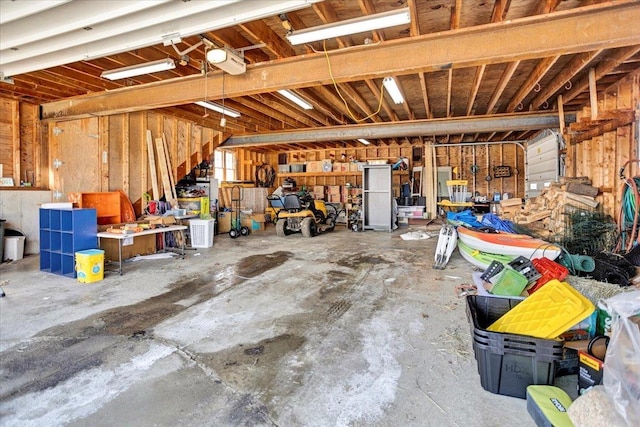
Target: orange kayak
508,244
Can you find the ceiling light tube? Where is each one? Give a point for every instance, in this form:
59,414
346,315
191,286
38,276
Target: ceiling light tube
364,141
351,26
138,70
219,108
295,99
392,88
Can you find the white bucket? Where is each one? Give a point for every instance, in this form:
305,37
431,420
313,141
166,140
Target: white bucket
13,248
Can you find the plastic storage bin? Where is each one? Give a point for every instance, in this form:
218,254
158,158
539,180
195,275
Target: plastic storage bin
508,363
201,231
90,265
549,270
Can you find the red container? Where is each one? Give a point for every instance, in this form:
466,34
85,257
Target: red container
550,270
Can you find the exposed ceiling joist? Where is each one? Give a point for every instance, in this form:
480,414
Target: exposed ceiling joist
132,31
444,126
575,31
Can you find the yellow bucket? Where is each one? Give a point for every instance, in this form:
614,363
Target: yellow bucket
90,265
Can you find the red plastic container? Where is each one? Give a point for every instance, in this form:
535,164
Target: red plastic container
550,270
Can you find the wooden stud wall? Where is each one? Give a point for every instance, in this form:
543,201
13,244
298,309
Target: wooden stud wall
20,150
486,157
84,145
602,157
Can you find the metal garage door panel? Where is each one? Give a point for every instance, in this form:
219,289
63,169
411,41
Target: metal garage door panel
543,162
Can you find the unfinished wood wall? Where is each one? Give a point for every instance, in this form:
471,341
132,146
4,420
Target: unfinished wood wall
602,157
110,153
21,153
485,157
390,154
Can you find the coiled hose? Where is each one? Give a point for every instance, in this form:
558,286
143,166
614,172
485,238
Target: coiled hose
629,212
265,176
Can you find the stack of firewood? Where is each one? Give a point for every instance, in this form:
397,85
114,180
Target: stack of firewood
545,214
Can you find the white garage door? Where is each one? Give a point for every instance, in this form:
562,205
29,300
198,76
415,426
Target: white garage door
543,162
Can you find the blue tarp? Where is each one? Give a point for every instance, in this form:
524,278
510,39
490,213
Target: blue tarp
494,221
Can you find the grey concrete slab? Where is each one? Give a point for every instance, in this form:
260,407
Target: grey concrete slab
344,329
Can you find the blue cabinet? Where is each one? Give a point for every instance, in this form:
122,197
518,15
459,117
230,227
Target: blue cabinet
63,232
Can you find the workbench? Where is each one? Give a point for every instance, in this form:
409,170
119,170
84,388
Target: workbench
160,230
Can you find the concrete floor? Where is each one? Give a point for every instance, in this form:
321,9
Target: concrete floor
344,329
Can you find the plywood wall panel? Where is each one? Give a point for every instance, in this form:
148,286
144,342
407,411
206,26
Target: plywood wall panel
9,131
29,143
116,154
137,157
77,146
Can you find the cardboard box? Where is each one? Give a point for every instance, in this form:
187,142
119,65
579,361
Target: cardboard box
327,165
314,166
353,167
141,245
333,198
161,220
224,222
297,167
333,190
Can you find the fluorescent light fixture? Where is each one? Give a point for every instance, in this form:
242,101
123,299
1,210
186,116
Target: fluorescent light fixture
394,91
138,70
295,99
351,26
364,141
219,108
227,60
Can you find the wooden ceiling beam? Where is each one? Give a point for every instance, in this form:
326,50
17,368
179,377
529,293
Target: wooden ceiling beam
377,93
502,84
547,6
541,68
425,95
278,105
601,70
577,64
262,33
477,79
575,31
336,104
500,10
414,26
360,102
367,8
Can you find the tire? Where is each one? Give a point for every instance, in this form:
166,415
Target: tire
281,228
244,231
309,228
233,233
331,225
332,215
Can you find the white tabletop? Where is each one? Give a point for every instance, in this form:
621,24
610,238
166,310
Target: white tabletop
107,235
